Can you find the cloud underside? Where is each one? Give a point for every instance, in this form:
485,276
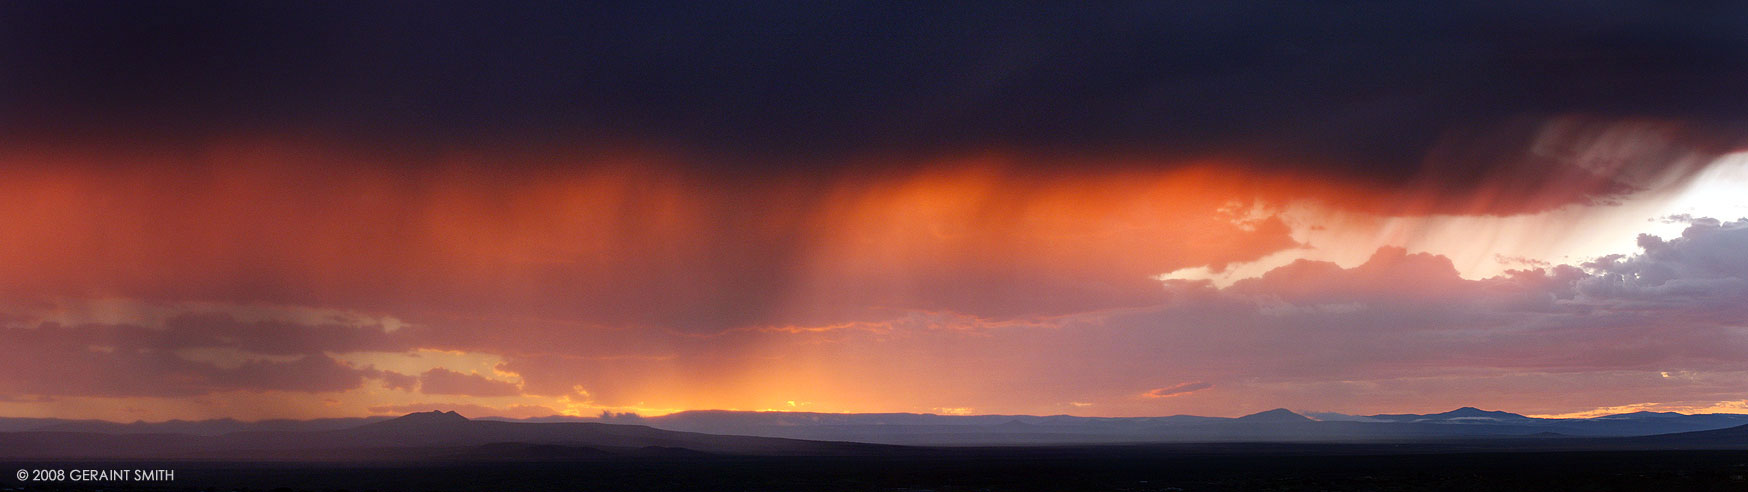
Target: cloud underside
1660,325
1293,88
586,208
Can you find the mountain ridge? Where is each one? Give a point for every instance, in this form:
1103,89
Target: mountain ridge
1278,415
934,429
447,435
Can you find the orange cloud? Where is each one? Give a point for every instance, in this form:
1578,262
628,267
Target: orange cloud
633,281
599,241
1177,390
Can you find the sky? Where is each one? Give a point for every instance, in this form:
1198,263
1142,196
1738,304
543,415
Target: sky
292,210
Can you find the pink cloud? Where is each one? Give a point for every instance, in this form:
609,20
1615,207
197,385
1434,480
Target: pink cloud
1177,390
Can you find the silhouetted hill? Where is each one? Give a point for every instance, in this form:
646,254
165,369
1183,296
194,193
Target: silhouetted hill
1274,425
1727,438
1649,423
428,435
1476,413
1278,415
434,417
420,435
212,427
1460,415
1645,414
515,451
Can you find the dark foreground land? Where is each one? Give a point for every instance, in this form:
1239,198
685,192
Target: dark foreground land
1133,468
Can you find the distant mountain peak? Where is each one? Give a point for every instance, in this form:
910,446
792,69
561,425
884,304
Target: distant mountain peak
1276,415
1476,412
1648,413
431,417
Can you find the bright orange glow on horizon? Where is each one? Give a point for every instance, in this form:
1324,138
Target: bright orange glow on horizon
633,283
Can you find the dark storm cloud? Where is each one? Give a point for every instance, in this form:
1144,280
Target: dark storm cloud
37,367
261,337
49,358
1356,89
